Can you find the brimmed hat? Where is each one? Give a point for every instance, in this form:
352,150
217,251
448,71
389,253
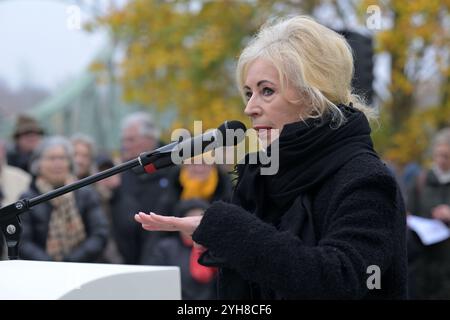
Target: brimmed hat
26,124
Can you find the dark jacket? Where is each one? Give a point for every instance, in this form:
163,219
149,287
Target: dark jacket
18,159
315,229
146,191
35,228
171,251
129,236
431,266
426,193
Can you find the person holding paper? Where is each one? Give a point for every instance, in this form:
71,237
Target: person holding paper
429,197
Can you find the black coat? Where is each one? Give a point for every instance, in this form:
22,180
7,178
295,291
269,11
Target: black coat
316,228
35,228
18,159
128,235
146,189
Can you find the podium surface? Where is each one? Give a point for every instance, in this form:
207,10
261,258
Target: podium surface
36,280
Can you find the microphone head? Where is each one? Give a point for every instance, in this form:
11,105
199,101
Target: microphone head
234,129
231,125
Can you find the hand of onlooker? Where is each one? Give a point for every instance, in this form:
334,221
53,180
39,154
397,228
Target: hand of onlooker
441,212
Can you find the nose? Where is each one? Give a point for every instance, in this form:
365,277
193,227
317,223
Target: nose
252,109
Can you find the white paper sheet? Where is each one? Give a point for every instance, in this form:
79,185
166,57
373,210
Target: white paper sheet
430,231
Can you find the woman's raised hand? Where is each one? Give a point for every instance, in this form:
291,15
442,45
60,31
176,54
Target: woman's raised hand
155,222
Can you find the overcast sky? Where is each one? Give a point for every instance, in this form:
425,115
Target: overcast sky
37,46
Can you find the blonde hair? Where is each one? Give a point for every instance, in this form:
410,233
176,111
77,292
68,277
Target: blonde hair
311,57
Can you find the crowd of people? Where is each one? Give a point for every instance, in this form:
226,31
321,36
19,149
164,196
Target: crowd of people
95,223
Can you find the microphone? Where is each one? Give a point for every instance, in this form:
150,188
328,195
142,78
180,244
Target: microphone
230,133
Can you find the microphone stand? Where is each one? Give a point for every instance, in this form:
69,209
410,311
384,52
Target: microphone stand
9,215
149,161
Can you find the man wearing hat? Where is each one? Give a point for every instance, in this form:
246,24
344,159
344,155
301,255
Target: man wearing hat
27,136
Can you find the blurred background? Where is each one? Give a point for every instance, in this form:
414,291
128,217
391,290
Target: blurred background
117,76
80,66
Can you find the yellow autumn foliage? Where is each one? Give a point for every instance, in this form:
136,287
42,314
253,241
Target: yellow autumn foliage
181,55
418,26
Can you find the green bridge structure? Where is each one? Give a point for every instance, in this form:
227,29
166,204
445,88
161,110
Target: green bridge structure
89,106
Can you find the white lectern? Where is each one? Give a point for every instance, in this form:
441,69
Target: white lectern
38,280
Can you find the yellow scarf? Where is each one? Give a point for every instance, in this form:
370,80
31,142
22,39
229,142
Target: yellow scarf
195,188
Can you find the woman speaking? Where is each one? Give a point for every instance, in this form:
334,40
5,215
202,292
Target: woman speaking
330,224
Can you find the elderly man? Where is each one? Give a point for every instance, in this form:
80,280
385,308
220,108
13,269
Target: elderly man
139,134
13,182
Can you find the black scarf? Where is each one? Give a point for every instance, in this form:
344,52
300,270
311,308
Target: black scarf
309,153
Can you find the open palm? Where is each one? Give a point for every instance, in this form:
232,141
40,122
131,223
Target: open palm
155,222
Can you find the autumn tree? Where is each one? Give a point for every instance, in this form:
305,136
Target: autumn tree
417,41
181,55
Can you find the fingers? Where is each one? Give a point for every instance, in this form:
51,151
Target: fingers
142,217
154,222
441,213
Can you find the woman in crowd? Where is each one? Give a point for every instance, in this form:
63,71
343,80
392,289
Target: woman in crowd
71,227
